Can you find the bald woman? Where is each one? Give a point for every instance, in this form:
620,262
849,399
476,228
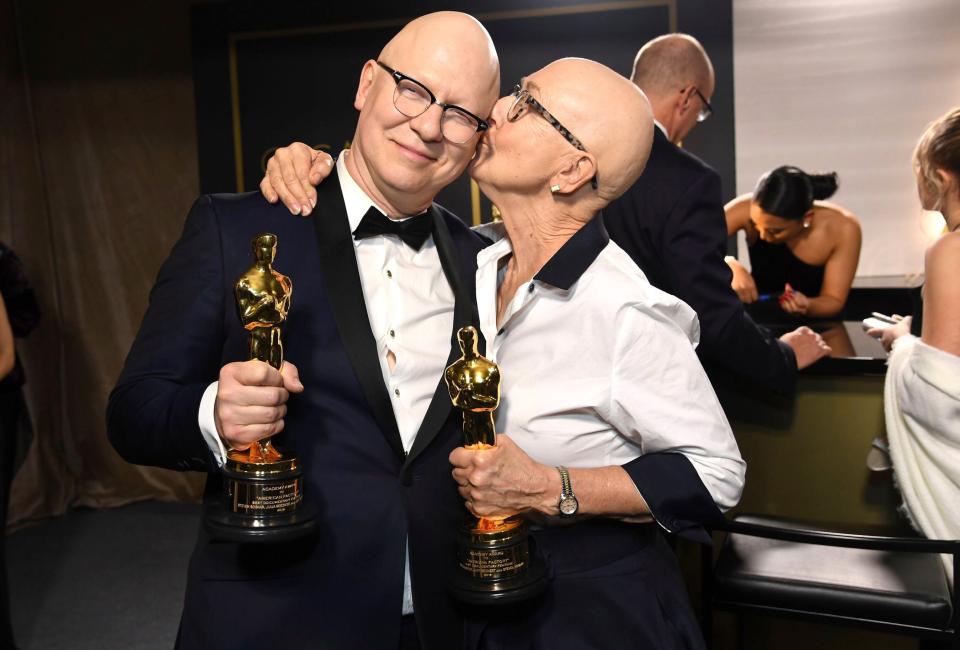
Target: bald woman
609,428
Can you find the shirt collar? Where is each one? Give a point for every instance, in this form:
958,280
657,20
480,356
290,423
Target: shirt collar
355,199
492,230
576,255
567,264
663,129
499,249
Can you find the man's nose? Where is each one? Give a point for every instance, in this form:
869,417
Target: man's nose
427,124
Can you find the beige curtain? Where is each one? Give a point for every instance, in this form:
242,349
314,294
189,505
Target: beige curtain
98,168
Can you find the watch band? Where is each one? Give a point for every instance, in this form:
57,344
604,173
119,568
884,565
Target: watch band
568,504
565,487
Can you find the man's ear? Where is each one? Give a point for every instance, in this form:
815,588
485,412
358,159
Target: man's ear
366,81
576,170
685,100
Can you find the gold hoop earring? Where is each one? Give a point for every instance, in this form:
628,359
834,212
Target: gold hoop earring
554,189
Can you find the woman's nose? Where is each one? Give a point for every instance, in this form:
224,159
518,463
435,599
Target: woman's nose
499,114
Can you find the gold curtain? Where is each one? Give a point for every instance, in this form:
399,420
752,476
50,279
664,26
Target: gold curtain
98,168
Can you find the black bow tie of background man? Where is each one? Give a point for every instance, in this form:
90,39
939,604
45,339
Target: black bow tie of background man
413,231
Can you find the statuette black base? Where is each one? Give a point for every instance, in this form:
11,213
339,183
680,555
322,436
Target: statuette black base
231,527
497,566
263,502
502,592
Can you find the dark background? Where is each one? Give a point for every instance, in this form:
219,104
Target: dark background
296,71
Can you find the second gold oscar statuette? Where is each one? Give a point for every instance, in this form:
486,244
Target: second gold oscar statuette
496,565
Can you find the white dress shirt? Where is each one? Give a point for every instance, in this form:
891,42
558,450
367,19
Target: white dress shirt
598,366
410,308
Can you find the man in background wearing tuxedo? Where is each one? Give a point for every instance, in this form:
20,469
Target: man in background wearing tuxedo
671,223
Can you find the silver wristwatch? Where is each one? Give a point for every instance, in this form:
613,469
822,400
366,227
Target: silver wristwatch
568,500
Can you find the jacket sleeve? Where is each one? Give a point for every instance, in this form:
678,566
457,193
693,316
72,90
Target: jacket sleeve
694,242
152,413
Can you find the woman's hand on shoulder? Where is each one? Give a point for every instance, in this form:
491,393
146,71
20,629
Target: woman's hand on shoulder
291,175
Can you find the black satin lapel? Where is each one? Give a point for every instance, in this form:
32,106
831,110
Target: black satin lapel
464,310
342,279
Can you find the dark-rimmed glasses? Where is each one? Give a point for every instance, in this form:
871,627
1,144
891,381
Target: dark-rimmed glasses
519,106
707,109
412,99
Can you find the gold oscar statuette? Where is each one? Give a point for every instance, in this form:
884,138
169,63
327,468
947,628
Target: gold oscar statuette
496,565
262,488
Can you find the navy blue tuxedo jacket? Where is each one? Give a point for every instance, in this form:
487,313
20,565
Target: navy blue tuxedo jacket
671,223
342,589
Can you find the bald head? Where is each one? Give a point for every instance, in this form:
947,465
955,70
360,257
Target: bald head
448,40
609,114
401,160
669,62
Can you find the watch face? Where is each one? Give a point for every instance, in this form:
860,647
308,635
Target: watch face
568,506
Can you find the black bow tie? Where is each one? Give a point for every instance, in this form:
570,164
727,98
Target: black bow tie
413,231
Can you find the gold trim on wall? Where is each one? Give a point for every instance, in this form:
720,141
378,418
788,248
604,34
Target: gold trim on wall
235,113
585,8
475,203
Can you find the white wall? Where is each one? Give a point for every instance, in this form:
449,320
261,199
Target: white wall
847,86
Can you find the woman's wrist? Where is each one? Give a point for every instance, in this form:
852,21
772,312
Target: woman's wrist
547,498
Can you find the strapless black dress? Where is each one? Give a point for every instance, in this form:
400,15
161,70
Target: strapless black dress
773,266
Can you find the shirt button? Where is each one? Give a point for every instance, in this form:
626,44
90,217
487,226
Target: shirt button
392,334
501,331
530,288
389,273
396,391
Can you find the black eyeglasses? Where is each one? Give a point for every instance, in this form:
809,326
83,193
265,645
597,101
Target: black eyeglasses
413,99
519,106
707,109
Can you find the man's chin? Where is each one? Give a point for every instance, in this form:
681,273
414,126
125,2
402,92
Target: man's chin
415,189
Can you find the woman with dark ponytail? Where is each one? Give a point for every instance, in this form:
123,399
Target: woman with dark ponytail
803,250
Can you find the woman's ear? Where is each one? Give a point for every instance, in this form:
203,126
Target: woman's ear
366,81
576,170
948,182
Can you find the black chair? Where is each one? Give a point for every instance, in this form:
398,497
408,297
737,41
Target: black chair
783,568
